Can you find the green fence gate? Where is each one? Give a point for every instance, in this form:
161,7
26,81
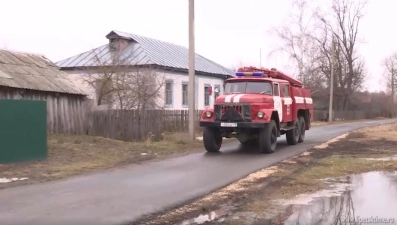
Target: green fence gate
23,130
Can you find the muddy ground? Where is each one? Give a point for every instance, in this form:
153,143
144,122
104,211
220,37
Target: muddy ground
252,199
70,155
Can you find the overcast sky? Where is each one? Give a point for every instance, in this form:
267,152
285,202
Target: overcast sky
227,31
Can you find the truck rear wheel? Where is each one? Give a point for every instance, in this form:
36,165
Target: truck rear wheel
268,138
293,135
302,125
212,139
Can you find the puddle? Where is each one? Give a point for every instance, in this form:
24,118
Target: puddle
390,158
6,180
368,198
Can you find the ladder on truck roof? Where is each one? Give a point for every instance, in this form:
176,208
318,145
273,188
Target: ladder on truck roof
273,73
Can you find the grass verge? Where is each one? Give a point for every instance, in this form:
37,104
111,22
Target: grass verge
322,123
347,154
76,154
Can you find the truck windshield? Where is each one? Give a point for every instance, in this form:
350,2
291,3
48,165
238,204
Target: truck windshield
248,87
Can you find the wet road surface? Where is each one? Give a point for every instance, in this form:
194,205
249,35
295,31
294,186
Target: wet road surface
123,195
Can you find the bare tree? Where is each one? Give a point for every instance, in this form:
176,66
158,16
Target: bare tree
306,37
390,64
342,22
297,42
124,81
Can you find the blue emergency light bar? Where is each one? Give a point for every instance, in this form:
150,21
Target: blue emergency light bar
255,74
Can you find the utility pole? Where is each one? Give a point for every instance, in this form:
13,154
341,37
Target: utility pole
192,80
392,83
260,58
331,90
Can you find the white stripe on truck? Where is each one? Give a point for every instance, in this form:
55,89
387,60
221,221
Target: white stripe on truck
229,98
237,98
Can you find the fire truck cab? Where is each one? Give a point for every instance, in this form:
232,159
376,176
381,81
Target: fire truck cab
258,106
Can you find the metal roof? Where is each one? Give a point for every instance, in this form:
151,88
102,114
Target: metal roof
34,72
143,51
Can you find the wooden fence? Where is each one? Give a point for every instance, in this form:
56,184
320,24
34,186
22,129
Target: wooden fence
132,125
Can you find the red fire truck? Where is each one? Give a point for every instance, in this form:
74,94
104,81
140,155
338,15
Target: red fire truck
257,106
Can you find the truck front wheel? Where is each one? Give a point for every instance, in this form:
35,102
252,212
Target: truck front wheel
268,138
212,139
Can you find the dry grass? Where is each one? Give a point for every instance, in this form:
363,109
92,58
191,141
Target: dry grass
323,123
71,155
386,132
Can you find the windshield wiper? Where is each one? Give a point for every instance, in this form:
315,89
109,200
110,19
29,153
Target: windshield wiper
235,92
267,92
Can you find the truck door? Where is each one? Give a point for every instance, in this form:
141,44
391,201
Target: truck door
287,102
278,104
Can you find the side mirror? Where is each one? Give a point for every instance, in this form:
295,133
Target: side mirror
216,90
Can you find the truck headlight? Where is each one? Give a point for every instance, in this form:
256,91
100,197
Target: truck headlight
260,115
208,114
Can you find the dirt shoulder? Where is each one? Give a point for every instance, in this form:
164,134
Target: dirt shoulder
324,123
252,199
76,154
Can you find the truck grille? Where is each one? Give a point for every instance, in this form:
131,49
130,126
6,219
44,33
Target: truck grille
232,112
238,108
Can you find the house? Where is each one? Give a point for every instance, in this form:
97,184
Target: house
133,53
34,77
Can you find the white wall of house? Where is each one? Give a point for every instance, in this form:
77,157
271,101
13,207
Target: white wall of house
174,88
177,80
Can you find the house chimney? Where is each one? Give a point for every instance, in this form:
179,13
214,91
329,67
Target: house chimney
114,44
117,43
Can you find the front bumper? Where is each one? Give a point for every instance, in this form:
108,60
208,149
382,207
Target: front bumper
239,124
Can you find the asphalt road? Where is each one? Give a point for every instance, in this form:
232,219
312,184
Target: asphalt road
122,195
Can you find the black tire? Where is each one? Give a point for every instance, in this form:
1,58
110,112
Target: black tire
293,135
302,127
268,138
212,139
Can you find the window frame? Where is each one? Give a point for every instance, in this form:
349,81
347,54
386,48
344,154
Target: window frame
171,93
206,94
185,83
278,89
217,94
286,87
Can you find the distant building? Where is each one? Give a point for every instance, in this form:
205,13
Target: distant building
34,77
137,53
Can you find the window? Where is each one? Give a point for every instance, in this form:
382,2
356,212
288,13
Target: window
217,86
248,87
206,95
276,90
285,90
168,93
185,94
